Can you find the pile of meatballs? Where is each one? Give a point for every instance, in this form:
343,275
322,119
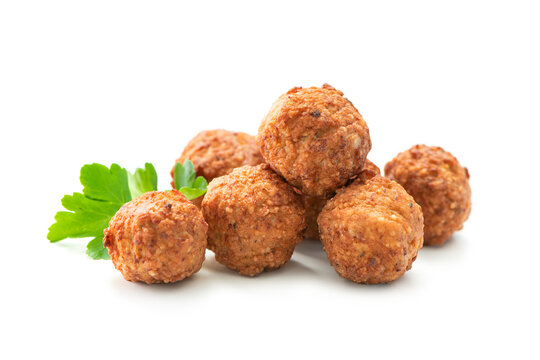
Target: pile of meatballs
304,176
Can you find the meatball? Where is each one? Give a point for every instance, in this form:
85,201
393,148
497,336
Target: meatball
371,230
368,165
159,237
315,138
439,184
216,153
255,219
314,204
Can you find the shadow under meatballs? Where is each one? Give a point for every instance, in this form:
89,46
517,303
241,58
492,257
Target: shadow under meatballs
311,250
309,265
311,247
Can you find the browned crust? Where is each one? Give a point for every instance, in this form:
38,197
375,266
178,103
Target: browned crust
314,204
368,165
371,230
159,237
315,138
216,153
255,219
439,184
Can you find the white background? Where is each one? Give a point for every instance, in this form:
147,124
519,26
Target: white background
130,82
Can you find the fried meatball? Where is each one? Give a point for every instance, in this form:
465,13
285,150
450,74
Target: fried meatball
314,204
368,165
216,153
159,237
315,138
255,219
439,184
371,230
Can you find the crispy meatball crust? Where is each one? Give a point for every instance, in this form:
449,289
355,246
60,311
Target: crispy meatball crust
371,230
255,219
314,204
372,167
159,237
315,138
216,153
439,184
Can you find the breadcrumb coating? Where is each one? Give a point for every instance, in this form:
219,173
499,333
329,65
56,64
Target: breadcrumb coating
216,153
315,138
255,219
371,230
314,204
439,184
159,237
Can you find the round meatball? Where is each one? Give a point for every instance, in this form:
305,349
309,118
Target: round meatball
159,237
315,138
255,219
439,184
216,153
371,230
314,204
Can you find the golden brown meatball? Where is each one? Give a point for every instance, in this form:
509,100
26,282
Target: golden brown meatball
314,204
159,237
255,219
439,184
216,153
315,138
368,165
371,230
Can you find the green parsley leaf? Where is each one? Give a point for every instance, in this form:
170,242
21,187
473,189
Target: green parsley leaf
142,180
101,183
96,250
186,182
184,175
191,193
200,183
86,218
105,190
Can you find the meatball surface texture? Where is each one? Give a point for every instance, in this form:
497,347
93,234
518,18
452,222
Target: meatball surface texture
371,230
439,184
368,165
314,204
255,219
158,237
315,138
216,153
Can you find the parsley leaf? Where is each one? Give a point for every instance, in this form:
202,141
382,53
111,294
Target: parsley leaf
86,218
96,250
183,175
142,180
185,181
101,183
104,192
